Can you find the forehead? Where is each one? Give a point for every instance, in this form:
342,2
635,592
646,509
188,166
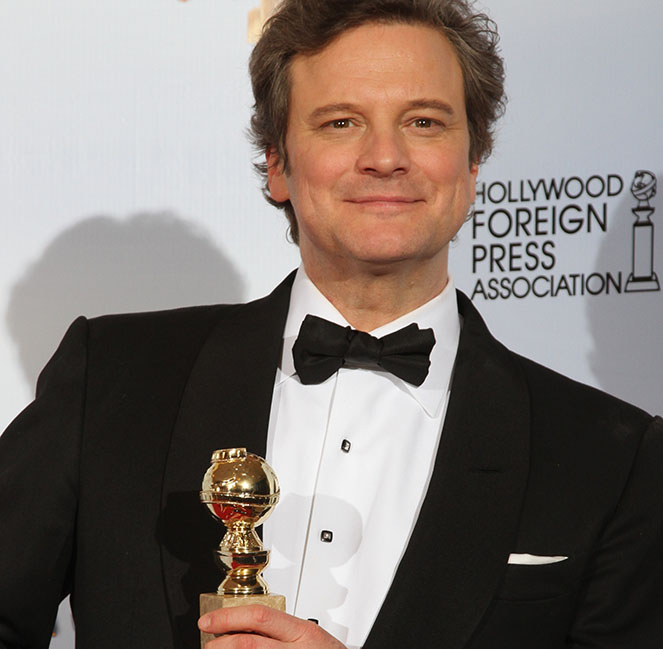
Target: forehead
391,60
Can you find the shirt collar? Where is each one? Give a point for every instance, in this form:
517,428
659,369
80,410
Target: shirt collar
439,314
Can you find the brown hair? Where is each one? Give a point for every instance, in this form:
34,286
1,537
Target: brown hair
307,26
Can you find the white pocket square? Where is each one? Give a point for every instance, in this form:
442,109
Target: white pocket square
534,559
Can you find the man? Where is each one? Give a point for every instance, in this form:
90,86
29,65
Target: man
481,501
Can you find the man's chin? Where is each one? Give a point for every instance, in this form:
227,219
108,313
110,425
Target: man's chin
388,261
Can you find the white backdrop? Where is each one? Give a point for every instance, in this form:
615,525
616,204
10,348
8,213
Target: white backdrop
126,181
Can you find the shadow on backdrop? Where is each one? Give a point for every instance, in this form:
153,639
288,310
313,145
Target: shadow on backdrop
107,265
627,354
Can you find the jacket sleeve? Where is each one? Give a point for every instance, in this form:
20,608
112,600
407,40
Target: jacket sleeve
39,456
622,601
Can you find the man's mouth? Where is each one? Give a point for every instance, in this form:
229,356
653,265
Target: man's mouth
384,199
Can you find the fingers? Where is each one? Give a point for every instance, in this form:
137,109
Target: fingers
259,627
256,619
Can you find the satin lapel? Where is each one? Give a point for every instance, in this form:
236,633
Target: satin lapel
468,522
226,403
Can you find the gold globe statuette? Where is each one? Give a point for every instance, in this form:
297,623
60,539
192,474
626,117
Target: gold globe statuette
240,489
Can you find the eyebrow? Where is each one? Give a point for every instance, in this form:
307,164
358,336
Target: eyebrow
432,104
330,109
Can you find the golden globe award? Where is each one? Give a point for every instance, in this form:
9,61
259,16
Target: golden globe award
241,490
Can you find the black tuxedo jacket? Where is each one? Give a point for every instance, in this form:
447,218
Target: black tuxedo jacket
99,482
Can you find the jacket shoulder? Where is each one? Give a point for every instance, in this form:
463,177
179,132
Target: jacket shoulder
553,396
174,332
553,393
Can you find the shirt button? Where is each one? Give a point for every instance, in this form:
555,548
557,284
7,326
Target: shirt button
345,446
326,536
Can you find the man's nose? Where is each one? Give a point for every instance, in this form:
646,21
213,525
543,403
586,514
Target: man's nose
383,153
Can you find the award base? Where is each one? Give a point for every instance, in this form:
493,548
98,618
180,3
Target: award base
638,284
212,601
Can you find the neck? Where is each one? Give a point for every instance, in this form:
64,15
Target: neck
376,296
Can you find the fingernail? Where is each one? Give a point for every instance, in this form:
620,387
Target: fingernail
204,622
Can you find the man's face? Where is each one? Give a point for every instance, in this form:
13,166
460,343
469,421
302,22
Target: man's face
378,148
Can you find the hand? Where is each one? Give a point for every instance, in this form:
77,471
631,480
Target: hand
260,627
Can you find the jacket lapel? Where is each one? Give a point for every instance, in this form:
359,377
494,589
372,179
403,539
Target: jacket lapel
225,403
467,526
468,522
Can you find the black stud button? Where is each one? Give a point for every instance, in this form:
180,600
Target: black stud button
326,536
346,446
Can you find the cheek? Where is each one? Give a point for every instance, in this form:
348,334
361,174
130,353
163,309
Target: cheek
451,176
317,174
444,169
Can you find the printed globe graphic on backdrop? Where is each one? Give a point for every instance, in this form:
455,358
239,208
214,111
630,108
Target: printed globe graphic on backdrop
643,187
643,277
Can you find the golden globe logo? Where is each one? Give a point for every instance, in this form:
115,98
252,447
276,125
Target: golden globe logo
258,16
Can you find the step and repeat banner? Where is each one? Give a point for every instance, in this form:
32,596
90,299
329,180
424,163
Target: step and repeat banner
126,182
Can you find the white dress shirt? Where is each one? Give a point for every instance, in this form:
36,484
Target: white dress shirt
354,456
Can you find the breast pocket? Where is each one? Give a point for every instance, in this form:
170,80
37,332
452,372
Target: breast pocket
546,581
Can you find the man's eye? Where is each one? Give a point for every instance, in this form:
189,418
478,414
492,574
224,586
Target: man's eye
423,122
340,123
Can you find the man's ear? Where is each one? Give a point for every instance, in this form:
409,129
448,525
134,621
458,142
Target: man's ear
474,170
276,181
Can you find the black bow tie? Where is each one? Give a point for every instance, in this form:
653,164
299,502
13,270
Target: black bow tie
322,347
